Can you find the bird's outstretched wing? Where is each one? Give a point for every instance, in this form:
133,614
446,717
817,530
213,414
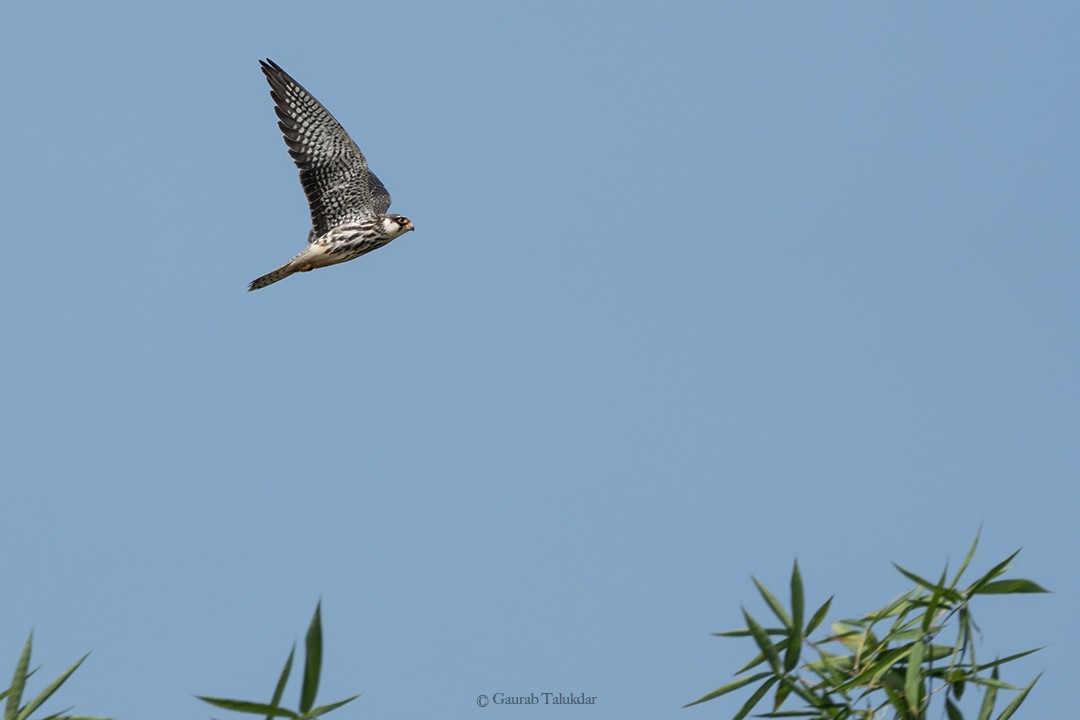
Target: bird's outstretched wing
333,171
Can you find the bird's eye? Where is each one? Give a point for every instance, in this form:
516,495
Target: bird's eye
403,221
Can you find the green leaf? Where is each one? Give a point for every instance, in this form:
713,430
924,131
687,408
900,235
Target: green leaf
917,579
279,689
782,693
745,632
936,652
773,603
989,699
991,574
1004,660
897,699
873,671
312,661
791,657
806,693
952,711
934,602
18,682
760,658
1010,587
49,690
732,633
913,686
754,662
58,715
948,594
731,686
967,560
253,708
323,709
755,698
833,669
763,642
964,634
818,617
1018,700
994,683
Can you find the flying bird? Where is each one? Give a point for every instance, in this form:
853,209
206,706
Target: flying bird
348,203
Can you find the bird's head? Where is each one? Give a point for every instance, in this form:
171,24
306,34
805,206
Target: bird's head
396,225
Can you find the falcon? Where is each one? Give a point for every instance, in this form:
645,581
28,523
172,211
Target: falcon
348,203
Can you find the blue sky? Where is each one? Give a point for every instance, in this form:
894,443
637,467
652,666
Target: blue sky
694,291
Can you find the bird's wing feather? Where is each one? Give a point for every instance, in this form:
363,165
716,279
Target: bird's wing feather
380,197
333,171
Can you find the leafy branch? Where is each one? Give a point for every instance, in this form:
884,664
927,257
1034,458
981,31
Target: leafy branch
891,659
308,690
12,708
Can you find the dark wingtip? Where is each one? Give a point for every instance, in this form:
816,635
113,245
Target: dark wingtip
271,69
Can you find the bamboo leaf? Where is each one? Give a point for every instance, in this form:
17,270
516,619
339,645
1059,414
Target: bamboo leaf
755,698
918,580
873,671
764,643
745,632
773,603
760,658
732,633
992,574
1004,660
994,683
731,686
818,617
936,652
952,711
49,690
809,697
894,690
913,686
58,715
782,693
323,709
791,656
942,591
754,662
1010,587
989,699
967,560
18,682
832,669
312,661
1018,700
279,689
253,708
934,602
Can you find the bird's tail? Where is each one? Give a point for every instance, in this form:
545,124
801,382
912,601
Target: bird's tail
272,277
